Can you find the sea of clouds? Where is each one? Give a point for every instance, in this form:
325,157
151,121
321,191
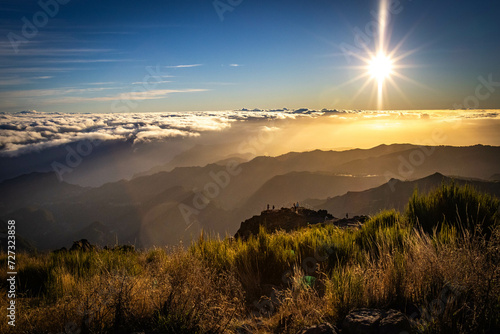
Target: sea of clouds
28,131
94,148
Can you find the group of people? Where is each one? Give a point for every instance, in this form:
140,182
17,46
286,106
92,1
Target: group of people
295,207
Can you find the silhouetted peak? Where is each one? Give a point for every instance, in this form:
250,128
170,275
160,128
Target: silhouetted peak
436,175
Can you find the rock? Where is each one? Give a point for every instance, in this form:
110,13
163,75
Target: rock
373,321
394,322
325,328
283,219
82,245
362,321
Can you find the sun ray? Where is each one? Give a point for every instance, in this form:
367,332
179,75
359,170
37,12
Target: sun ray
404,77
357,78
382,18
359,91
400,92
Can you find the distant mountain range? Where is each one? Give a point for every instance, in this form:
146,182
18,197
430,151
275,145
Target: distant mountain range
171,206
393,195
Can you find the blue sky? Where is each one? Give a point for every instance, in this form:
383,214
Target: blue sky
139,56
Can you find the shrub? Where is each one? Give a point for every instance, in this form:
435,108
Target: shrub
459,206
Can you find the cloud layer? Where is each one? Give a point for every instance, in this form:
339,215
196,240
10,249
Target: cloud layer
28,131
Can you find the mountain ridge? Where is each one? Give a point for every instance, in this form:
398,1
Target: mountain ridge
147,208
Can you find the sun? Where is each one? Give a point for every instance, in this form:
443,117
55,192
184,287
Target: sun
380,67
382,63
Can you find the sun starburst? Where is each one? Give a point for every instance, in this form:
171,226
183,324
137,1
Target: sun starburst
381,64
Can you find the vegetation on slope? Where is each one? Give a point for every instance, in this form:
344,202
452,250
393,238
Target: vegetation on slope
437,262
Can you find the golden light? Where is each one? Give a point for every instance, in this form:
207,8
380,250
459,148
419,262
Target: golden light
380,67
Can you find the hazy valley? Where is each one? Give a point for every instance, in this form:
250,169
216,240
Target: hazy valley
164,208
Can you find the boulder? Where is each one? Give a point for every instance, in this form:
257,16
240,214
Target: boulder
82,245
325,328
394,322
362,321
373,321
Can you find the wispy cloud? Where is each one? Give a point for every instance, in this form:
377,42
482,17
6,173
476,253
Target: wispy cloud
78,95
218,83
14,81
184,66
235,65
35,69
101,83
83,61
149,83
6,50
17,80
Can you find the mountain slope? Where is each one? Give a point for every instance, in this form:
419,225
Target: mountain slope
34,189
218,197
477,161
393,195
283,190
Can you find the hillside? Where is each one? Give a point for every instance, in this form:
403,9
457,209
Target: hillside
420,161
168,207
290,277
283,190
34,189
393,195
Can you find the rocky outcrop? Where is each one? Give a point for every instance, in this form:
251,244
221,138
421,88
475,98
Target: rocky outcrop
292,219
82,245
283,219
325,328
373,321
